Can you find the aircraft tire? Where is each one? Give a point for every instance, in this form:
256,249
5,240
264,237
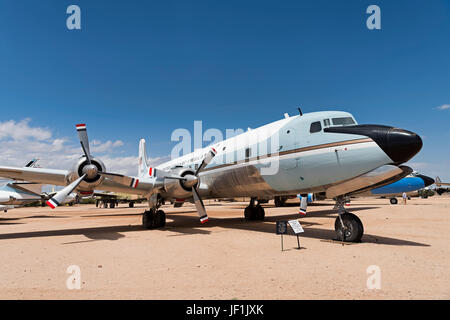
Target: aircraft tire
160,219
248,213
280,201
254,213
259,213
131,205
355,229
393,201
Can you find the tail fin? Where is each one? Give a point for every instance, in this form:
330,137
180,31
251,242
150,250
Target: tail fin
438,181
143,164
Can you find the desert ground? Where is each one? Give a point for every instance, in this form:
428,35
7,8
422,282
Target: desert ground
228,257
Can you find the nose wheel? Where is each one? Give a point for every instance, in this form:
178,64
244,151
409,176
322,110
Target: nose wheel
349,228
153,219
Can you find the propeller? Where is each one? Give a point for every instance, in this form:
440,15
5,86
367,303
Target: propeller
303,204
89,171
59,197
191,181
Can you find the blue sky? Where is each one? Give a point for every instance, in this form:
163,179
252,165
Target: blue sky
144,68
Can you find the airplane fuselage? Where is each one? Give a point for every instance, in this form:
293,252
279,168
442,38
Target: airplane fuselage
289,156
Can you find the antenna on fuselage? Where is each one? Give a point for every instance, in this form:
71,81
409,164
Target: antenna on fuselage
300,111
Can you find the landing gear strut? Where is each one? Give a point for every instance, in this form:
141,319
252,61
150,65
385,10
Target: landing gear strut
348,226
280,201
154,218
254,212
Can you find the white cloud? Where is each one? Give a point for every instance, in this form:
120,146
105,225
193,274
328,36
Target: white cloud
21,130
444,107
99,147
21,142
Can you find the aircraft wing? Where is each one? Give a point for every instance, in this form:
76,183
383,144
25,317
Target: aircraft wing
39,175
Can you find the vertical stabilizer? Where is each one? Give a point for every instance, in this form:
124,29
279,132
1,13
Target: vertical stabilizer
143,164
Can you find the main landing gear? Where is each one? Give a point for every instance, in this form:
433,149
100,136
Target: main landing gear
254,212
154,218
393,201
348,226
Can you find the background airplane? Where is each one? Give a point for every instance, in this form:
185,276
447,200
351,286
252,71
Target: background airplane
439,184
15,194
410,184
315,152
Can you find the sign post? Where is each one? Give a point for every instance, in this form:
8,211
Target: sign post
281,229
297,227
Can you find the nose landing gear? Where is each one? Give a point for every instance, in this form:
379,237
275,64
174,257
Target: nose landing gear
348,226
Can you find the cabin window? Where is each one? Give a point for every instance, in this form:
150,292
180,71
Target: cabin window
247,153
326,123
343,121
315,127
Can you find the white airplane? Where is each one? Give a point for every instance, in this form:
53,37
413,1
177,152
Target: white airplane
315,152
14,194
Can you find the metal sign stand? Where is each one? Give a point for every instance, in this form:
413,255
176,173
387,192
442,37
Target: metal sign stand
281,229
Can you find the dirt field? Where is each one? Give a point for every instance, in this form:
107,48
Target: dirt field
228,258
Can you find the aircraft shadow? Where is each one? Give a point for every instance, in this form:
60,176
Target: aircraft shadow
189,225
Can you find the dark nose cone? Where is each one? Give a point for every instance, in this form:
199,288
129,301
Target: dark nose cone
426,180
401,145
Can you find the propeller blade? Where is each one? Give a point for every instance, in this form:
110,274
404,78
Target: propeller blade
209,156
120,178
59,197
199,206
303,204
84,140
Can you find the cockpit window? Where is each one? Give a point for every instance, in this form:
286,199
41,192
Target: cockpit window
343,121
315,127
326,122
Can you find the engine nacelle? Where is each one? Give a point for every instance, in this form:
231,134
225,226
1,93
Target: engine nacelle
176,188
90,182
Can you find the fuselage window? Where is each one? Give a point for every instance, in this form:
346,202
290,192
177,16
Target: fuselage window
343,121
326,122
315,127
247,153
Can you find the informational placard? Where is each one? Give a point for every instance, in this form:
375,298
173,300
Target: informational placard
281,227
296,226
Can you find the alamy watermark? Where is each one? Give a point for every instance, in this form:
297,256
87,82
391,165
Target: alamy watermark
260,147
73,282
374,279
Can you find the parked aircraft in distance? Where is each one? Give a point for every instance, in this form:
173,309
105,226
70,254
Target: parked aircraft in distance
311,153
410,184
15,194
439,185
